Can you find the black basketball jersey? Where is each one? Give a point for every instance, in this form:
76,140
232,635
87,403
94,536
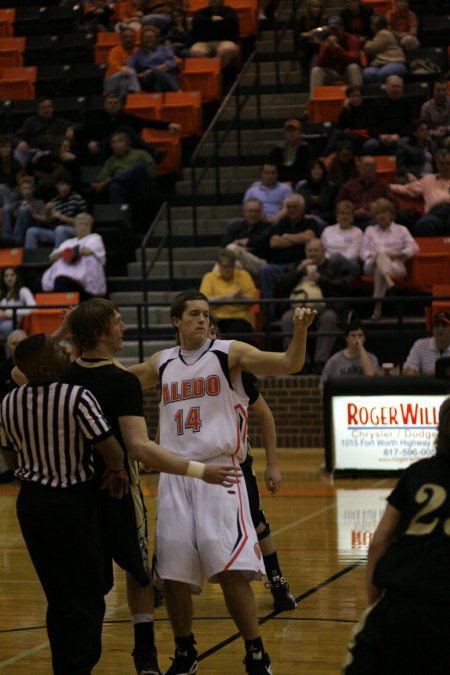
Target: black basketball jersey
418,561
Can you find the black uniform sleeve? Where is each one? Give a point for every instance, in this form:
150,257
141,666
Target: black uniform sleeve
250,384
129,399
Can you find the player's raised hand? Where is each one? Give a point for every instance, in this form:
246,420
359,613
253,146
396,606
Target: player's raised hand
304,316
222,474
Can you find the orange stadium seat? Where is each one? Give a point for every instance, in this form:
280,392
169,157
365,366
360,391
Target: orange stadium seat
17,82
168,141
386,167
105,42
146,106
202,74
48,320
379,6
7,18
10,256
185,108
326,103
11,51
431,265
247,11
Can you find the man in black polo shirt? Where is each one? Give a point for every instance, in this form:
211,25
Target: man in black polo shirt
97,331
248,237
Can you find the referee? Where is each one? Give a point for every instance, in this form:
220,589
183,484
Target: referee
47,429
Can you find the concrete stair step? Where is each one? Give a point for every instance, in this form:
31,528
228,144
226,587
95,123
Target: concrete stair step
207,212
123,298
194,269
156,316
129,353
208,186
226,172
182,254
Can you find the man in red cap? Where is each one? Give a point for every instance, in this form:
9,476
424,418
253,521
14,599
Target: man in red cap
292,155
426,351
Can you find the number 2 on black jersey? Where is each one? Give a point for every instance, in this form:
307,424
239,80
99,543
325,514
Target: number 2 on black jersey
193,420
433,496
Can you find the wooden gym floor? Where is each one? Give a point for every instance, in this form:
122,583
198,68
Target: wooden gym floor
321,529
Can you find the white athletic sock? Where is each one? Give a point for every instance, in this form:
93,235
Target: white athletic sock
142,618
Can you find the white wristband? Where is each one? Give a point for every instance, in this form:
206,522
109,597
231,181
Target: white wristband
195,470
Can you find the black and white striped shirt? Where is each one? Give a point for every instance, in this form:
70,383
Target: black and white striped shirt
52,428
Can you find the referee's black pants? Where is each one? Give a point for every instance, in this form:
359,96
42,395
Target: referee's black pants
60,528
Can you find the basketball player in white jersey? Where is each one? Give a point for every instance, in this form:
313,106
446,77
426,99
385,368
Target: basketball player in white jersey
209,532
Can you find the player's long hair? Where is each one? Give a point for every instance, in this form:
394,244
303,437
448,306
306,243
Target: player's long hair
89,321
443,437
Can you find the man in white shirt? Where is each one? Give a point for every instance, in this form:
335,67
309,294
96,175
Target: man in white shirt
353,360
426,351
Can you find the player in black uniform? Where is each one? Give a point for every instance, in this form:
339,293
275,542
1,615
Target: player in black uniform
282,597
406,629
97,329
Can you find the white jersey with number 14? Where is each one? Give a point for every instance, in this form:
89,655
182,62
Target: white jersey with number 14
202,414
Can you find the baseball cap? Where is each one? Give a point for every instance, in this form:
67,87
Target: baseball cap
335,22
442,316
295,124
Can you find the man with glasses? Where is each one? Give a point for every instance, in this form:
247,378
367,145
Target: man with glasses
425,352
435,190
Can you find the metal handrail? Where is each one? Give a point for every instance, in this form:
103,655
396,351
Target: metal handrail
167,238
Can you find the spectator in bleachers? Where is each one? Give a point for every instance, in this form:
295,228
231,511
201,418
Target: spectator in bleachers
403,24
19,215
293,154
230,283
158,13
338,58
121,78
178,36
357,19
353,122
385,249
391,115
39,131
310,31
435,190
100,125
48,166
7,383
318,193
61,213
353,360
415,153
98,15
215,32
10,172
127,175
425,352
270,192
14,294
247,237
333,279
436,112
344,240
287,241
154,63
78,263
343,167
384,54
364,190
